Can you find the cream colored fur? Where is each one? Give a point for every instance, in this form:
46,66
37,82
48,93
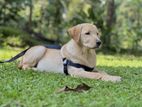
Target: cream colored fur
80,49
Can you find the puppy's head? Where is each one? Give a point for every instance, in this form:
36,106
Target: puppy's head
85,34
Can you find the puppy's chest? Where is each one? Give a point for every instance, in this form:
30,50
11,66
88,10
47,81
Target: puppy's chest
88,59
91,60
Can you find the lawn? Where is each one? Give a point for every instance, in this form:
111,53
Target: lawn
20,88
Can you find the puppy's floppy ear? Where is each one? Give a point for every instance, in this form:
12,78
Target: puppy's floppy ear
74,32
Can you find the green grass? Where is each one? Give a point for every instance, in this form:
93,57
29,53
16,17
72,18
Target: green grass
20,88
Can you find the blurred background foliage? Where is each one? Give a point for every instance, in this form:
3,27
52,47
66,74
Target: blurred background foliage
30,22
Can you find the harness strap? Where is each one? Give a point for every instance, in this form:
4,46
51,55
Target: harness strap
67,62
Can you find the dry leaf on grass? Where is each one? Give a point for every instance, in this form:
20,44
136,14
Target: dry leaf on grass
80,88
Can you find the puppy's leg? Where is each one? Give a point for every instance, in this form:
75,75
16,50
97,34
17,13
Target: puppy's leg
96,70
94,75
108,77
32,57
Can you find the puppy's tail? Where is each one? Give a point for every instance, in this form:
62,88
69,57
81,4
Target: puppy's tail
15,57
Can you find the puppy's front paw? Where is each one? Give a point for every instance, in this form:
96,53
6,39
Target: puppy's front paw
111,78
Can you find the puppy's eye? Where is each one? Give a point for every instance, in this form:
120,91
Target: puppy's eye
87,33
97,33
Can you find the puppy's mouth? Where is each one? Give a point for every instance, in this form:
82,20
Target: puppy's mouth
95,47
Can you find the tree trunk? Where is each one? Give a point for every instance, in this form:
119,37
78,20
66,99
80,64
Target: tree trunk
110,13
110,20
30,15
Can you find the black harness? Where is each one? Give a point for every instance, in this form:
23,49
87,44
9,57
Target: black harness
66,62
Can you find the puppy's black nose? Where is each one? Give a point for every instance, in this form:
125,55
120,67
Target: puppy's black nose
98,43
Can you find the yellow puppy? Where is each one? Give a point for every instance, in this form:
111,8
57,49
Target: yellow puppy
76,58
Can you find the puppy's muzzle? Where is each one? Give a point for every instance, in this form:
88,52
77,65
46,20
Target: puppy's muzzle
98,43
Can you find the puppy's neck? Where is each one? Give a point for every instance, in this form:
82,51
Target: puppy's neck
78,53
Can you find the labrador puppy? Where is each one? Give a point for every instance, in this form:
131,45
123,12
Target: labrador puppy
76,58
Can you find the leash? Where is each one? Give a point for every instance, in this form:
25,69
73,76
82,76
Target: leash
53,46
15,57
